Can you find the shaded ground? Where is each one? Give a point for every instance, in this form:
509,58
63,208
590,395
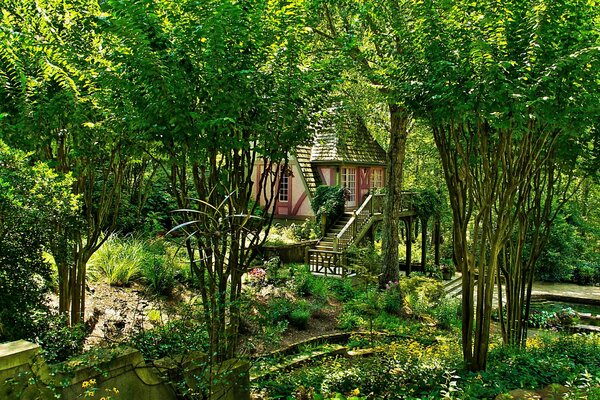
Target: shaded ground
115,312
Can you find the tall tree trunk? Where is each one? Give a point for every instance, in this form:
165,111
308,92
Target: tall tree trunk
399,128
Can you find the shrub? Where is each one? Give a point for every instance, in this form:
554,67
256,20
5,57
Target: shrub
364,260
348,321
342,289
33,199
586,273
448,313
57,339
306,284
178,336
306,231
560,254
299,318
279,309
421,293
329,201
392,299
119,261
158,274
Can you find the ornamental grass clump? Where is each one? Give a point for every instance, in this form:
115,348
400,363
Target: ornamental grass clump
119,261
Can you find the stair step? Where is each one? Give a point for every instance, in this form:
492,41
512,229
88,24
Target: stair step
453,288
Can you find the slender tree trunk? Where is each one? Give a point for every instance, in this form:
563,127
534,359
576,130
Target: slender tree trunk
399,127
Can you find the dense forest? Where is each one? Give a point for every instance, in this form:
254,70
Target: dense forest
132,129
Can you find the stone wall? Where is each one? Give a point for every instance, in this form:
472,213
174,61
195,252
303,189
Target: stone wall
25,375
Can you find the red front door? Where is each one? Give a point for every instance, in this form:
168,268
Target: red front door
364,183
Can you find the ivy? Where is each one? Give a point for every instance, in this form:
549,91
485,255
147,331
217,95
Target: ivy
329,201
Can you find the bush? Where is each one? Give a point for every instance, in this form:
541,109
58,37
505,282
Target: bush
158,274
174,337
560,254
306,284
342,289
57,339
329,201
392,299
448,313
586,273
299,318
421,293
349,321
33,199
279,309
308,230
119,261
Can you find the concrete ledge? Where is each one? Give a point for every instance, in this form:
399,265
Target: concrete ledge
15,354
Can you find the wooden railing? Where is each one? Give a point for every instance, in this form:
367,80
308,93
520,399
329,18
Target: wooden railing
373,205
332,262
327,263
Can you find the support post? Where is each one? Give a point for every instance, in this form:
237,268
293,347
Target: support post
409,233
436,242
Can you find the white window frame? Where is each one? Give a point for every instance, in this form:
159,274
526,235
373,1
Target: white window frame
349,182
376,178
284,188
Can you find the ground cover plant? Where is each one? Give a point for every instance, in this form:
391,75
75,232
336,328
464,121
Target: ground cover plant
410,369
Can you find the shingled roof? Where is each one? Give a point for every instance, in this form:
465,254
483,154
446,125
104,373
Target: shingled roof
346,141
338,140
309,173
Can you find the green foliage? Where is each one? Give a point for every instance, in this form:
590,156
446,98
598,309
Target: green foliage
561,253
123,260
559,319
119,261
414,370
158,274
421,293
58,341
587,273
366,261
342,289
447,313
308,230
299,317
427,204
307,284
177,336
329,201
33,201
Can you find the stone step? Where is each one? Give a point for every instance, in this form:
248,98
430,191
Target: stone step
453,288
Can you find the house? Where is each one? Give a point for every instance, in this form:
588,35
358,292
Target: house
343,153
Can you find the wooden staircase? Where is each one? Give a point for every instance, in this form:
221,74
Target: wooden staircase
327,242
328,256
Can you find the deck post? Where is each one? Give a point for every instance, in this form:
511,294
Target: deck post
409,234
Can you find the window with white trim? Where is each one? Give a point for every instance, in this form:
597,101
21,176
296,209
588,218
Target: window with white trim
284,188
349,182
376,178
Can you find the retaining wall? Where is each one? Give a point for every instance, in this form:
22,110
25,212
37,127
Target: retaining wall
25,375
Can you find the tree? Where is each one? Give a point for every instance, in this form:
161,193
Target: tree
238,90
376,40
61,97
33,199
506,87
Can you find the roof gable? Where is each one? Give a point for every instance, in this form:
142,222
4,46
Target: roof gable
346,141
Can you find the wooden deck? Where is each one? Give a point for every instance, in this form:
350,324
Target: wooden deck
328,256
